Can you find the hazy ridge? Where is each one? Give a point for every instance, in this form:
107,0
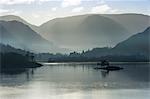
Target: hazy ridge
75,33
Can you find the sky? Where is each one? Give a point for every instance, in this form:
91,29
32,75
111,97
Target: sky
39,11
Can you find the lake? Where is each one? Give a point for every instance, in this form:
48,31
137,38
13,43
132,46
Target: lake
77,81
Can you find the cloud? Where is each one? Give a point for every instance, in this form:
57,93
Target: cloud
44,0
101,1
126,0
3,11
54,9
35,15
103,9
10,11
78,9
11,2
67,3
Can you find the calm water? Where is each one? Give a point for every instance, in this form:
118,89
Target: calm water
77,81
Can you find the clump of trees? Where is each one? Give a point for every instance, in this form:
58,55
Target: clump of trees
15,60
30,56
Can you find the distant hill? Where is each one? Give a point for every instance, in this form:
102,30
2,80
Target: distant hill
93,30
19,19
136,44
19,35
88,31
134,23
134,49
10,49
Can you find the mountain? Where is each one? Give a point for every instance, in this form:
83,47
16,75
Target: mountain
10,49
19,19
136,44
19,35
97,52
134,49
88,31
134,23
93,30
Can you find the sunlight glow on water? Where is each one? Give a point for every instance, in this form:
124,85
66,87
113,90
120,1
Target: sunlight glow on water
77,81
38,92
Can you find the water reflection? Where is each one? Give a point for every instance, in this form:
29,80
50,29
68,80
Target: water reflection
12,71
104,73
80,74
16,77
54,81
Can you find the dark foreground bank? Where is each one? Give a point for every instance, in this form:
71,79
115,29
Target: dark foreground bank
17,61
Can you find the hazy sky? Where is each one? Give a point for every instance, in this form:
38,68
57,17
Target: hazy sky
39,11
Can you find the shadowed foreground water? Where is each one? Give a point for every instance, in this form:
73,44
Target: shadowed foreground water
77,81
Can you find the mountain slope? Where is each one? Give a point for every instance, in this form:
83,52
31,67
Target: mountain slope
19,19
10,49
88,31
93,30
135,23
136,44
22,36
